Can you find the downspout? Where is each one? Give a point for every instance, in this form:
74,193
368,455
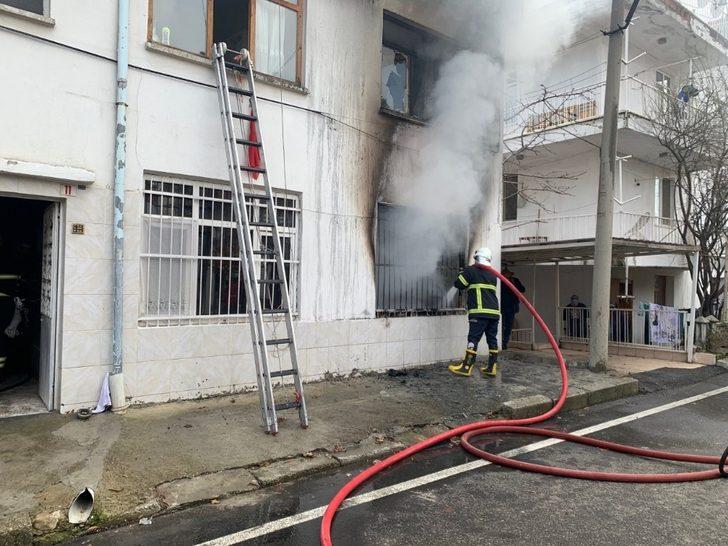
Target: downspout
116,379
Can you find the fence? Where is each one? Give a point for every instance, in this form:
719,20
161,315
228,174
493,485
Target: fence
636,227
657,328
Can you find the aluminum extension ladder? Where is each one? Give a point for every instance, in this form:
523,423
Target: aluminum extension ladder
249,197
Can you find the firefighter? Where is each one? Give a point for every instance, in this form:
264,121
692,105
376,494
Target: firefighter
483,313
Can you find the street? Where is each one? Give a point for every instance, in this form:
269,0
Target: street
444,496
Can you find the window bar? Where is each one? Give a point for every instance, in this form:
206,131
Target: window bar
180,308
159,263
232,232
171,252
211,258
221,254
149,251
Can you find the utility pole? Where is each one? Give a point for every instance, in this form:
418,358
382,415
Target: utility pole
599,331
724,311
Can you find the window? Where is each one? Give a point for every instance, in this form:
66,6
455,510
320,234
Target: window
662,80
410,59
190,259
272,30
510,197
39,7
664,199
403,252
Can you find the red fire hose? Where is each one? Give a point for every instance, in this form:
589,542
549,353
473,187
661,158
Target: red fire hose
518,426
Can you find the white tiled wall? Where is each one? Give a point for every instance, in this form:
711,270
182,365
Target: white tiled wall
185,362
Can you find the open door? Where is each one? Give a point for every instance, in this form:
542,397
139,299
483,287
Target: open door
48,296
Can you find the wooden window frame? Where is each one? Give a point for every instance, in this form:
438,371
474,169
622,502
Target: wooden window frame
299,8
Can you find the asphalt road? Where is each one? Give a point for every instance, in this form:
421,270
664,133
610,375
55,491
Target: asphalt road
491,505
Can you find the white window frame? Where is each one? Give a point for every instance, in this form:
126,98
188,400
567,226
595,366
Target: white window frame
286,203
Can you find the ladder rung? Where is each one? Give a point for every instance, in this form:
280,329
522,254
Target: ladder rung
265,253
252,169
283,341
270,281
283,373
235,66
246,117
260,224
274,311
287,405
258,196
248,142
239,91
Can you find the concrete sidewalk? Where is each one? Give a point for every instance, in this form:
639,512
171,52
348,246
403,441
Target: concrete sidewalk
160,457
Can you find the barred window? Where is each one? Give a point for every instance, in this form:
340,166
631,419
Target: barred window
190,257
405,246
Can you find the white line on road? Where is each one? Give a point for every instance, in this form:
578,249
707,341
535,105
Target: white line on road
303,517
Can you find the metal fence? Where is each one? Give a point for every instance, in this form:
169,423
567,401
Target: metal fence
406,285
659,328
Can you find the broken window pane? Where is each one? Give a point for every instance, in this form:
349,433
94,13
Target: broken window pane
181,24
395,80
276,29
34,6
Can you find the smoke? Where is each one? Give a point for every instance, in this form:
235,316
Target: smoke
445,170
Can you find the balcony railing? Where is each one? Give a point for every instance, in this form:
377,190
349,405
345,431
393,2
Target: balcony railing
630,226
656,328
714,14
531,114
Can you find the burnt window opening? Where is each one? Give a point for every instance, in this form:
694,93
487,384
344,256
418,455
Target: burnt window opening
410,61
401,257
510,197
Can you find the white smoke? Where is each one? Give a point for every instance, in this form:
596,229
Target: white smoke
446,175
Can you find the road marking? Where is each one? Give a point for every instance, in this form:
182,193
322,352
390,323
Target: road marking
364,498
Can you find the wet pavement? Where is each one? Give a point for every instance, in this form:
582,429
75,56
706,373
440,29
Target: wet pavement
494,505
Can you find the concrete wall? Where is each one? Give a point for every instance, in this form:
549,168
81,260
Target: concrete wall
60,106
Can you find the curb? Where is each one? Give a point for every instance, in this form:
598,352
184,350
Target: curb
603,390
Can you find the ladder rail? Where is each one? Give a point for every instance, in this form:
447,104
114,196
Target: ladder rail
303,414
246,245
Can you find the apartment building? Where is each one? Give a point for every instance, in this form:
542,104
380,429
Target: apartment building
552,138
336,78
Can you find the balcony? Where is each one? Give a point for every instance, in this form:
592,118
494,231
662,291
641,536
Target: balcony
570,238
627,226
711,13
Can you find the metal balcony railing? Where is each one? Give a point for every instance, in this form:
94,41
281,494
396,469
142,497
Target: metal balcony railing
656,328
557,228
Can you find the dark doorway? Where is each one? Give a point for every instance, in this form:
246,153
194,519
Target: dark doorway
21,267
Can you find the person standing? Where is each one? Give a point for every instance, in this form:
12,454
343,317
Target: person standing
483,313
510,304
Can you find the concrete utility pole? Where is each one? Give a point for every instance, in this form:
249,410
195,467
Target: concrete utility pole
724,311
599,332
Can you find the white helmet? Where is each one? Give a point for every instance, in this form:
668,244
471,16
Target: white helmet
483,255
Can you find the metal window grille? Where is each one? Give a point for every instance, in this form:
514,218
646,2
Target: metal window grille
191,270
401,290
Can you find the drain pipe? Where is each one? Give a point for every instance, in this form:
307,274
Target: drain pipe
116,379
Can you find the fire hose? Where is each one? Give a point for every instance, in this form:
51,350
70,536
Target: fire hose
520,426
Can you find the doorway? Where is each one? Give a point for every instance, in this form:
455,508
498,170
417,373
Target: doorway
28,285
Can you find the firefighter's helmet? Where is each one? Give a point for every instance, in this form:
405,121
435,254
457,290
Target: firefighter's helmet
483,255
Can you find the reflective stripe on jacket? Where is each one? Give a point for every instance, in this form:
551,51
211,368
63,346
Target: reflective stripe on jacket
481,285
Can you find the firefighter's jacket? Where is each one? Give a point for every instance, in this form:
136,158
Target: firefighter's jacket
481,285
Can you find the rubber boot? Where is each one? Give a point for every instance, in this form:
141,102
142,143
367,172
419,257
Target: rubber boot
492,367
465,367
